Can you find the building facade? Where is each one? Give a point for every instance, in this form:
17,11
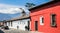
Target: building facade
46,17
18,23
1,23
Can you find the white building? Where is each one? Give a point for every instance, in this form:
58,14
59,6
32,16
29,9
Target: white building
18,23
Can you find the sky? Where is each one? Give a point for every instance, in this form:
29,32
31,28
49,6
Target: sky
22,2
12,6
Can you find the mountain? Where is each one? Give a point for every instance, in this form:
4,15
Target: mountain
4,17
8,16
15,15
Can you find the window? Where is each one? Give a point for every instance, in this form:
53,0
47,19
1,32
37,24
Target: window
20,22
53,20
11,23
41,20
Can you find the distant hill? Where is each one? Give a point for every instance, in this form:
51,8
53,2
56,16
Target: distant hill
8,16
4,17
15,15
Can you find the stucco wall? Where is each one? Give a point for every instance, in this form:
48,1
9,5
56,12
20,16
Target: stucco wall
20,23
46,28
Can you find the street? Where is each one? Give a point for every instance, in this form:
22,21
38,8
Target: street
15,31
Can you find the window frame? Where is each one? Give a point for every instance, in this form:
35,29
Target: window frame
41,20
53,21
11,23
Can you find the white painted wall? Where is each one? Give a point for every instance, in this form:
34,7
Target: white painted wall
20,23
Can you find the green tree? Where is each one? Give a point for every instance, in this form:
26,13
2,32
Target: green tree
29,5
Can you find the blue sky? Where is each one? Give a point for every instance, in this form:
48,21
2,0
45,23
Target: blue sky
22,2
10,8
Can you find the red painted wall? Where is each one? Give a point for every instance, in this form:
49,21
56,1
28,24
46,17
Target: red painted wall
46,11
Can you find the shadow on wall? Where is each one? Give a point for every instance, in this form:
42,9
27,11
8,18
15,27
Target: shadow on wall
1,31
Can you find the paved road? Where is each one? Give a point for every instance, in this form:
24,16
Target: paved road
15,31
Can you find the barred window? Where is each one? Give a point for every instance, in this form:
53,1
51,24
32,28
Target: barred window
53,20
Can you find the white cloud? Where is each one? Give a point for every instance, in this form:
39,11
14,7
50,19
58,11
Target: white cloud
10,9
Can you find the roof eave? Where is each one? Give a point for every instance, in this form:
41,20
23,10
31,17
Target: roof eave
51,2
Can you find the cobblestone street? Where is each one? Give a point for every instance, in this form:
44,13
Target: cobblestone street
16,31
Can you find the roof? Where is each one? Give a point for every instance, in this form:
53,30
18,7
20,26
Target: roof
18,18
40,6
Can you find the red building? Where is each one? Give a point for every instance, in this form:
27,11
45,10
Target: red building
46,17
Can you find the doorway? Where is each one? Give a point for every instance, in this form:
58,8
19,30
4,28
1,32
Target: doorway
36,25
28,25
